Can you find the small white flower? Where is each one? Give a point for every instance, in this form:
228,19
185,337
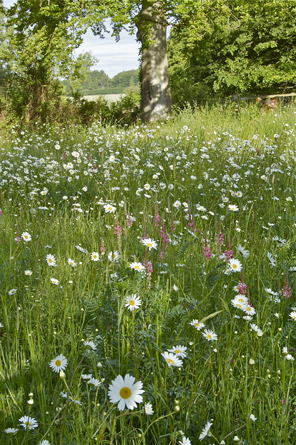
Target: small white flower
26,236
95,256
148,410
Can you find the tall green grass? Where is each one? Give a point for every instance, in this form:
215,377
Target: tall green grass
185,159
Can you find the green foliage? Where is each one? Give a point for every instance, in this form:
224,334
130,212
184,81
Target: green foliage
122,112
54,184
222,47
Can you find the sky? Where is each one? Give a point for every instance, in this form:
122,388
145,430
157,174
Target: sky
113,56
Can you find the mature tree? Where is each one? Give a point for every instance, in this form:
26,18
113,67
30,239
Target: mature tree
224,47
151,19
46,32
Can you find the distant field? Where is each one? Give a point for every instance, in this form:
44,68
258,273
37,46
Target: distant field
108,97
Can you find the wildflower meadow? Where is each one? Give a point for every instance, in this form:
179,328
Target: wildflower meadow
147,281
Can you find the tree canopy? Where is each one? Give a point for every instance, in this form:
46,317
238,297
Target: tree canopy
224,47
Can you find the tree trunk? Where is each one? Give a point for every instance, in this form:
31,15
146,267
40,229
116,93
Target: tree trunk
155,90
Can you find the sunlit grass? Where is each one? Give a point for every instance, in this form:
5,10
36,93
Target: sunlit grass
200,188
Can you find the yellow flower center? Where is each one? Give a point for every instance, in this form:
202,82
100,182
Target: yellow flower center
58,362
209,336
248,308
196,324
49,260
132,303
170,362
149,244
137,267
28,423
234,266
177,351
125,392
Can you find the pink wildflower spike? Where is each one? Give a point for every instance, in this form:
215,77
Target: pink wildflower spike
286,289
228,254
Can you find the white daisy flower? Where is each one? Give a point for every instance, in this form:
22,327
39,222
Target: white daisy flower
172,359
250,310
233,208
185,441
109,208
114,256
210,335
293,315
197,324
54,281
71,262
28,272
179,351
235,265
252,417
133,302
51,261
150,243
95,256
90,344
59,363
137,266
205,431
148,410
245,253
94,382
12,291
29,423
26,236
11,430
126,392
81,249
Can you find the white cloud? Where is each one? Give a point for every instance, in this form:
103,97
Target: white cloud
113,56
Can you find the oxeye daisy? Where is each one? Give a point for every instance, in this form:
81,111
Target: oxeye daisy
137,266
293,315
210,335
126,392
59,363
233,208
71,262
198,325
94,382
11,430
54,281
205,431
95,256
114,256
28,272
29,423
179,351
109,208
26,236
133,302
148,410
185,441
234,265
90,344
250,310
150,243
172,359
51,261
